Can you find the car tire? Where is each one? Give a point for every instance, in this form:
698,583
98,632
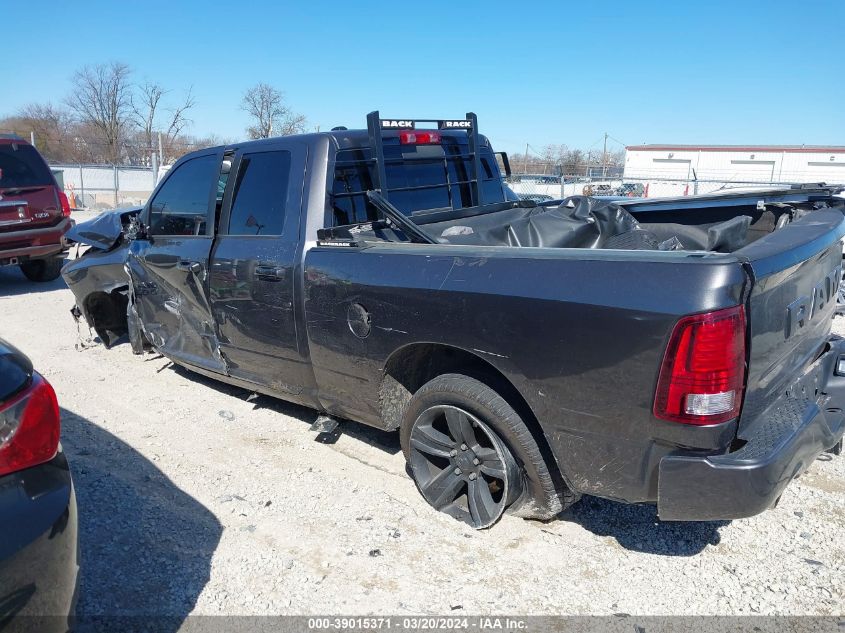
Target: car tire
42,269
530,489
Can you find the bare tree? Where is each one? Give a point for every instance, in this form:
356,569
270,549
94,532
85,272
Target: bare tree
271,115
146,106
52,127
103,99
616,158
553,156
574,162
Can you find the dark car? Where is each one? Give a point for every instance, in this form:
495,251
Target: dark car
38,521
34,212
630,190
527,354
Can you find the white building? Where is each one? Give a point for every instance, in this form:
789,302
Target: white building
688,169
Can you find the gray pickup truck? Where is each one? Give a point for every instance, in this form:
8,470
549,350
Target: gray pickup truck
527,354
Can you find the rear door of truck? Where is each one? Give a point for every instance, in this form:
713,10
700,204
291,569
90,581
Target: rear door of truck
253,266
796,272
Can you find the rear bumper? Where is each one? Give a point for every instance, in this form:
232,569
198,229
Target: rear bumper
35,243
780,444
39,566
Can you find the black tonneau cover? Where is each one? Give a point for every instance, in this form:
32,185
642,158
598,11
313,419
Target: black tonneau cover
579,222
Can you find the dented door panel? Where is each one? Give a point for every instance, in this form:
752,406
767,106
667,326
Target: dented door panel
169,287
168,262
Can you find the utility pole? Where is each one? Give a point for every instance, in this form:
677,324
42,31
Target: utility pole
154,163
604,158
525,160
32,138
160,152
116,184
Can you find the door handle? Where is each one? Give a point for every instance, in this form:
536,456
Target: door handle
271,273
190,267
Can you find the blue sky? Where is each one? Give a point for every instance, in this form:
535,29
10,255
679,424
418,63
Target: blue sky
534,72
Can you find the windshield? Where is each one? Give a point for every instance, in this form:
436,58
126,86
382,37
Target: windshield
419,178
22,166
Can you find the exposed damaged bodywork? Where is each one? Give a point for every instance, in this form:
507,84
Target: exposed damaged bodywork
172,307
359,272
98,278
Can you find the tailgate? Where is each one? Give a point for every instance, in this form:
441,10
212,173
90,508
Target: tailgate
30,207
796,272
14,213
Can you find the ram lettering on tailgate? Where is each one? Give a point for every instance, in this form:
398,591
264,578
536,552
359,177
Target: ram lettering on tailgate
804,309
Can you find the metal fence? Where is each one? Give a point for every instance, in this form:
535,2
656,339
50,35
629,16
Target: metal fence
105,186
543,188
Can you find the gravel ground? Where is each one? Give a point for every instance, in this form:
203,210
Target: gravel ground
193,500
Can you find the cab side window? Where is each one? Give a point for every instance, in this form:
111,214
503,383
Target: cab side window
181,205
260,194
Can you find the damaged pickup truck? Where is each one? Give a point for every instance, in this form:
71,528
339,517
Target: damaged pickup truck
527,354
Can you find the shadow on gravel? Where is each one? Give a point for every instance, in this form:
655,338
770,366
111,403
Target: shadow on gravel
12,283
637,528
388,441
145,545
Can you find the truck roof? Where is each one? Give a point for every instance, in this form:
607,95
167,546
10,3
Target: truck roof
345,139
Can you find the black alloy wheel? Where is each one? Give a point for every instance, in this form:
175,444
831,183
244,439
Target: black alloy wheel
461,466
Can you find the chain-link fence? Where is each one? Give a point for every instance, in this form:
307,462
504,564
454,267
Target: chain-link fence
105,186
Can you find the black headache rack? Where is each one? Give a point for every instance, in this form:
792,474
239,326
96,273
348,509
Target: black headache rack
348,235
375,126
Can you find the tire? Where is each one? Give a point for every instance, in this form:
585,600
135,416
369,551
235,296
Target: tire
42,269
534,492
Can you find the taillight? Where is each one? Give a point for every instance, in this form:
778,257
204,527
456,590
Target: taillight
65,204
703,372
412,137
29,427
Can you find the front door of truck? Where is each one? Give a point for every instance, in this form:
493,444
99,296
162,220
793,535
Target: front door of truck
168,265
252,274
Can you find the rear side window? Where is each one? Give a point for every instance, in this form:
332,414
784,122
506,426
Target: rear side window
181,205
260,194
419,177
22,166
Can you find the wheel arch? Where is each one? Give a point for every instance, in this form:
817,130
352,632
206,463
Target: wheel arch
106,311
410,367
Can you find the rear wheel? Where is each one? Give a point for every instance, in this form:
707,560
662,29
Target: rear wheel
42,269
472,456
